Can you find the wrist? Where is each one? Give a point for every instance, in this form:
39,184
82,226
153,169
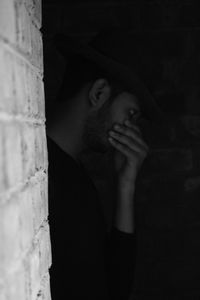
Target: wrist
127,181
125,196
126,187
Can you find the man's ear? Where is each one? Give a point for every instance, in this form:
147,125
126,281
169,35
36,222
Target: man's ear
99,93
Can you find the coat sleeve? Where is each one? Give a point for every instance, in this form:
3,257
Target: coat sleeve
120,261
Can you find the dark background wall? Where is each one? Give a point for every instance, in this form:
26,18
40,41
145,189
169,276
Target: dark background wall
168,186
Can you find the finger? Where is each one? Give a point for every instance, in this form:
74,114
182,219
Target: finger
132,125
131,134
120,147
133,131
129,142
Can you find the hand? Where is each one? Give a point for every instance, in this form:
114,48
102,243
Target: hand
131,151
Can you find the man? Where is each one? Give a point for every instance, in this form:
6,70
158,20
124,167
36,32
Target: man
96,110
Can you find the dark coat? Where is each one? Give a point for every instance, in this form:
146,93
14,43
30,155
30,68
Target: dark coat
88,262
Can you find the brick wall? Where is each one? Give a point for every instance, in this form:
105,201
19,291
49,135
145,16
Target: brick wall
25,250
168,186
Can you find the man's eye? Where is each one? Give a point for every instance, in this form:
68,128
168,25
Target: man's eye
134,114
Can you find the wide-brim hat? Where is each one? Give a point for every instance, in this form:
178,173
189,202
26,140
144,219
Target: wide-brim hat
125,58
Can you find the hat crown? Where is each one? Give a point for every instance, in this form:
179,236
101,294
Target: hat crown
116,44
136,51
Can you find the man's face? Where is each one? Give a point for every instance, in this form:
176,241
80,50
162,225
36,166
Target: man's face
116,112
123,107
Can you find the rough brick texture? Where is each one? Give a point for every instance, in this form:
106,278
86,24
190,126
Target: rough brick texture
168,186
25,251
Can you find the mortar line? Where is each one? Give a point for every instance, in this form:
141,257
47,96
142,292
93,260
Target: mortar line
42,284
22,257
7,195
6,117
31,15
20,54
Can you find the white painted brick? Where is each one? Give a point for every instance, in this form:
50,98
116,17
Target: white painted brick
29,91
9,235
34,261
28,151
29,5
31,78
6,80
31,86
37,103
16,285
40,259
20,219
38,12
32,91
44,250
23,28
8,70
34,149
40,147
13,83
16,230
7,12
13,153
21,83
37,48
29,37
39,194
34,8
21,89
26,219
3,181
40,98
44,292
46,162
2,292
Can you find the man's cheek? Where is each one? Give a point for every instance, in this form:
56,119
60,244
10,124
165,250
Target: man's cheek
117,117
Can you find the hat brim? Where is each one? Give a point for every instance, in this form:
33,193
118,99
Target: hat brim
67,45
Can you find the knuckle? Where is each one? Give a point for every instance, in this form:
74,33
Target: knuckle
125,129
